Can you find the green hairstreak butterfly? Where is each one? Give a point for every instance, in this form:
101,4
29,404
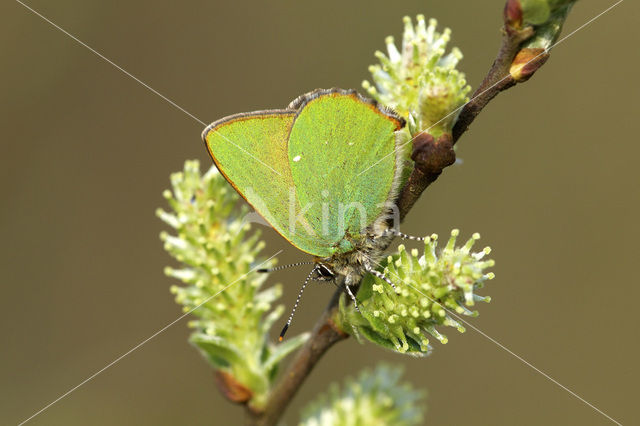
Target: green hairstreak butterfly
307,170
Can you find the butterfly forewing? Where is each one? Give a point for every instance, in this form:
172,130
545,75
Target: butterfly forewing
250,150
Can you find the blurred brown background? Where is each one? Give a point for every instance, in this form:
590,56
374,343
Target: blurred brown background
550,178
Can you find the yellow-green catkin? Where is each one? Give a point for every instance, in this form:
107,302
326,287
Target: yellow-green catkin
435,289
218,255
375,397
420,81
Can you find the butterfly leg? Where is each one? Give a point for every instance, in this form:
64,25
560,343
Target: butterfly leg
382,277
391,231
353,297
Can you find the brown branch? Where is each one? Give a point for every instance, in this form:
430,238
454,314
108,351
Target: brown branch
430,157
497,79
324,335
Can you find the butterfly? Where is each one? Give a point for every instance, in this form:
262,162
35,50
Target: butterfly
324,173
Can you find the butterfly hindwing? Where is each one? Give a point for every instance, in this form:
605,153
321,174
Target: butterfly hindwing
342,154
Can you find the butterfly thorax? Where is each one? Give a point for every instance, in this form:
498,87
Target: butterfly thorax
366,253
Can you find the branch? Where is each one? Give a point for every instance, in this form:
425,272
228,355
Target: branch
515,62
432,156
324,335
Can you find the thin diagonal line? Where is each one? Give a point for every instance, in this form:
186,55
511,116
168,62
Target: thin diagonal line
112,63
203,123
503,347
496,83
127,73
142,343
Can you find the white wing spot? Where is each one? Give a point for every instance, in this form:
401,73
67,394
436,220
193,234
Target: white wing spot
297,158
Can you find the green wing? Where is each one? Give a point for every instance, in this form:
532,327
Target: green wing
250,150
342,154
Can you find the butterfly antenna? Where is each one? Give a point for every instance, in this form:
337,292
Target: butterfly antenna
277,268
295,306
392,231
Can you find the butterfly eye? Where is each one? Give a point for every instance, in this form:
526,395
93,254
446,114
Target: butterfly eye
325,272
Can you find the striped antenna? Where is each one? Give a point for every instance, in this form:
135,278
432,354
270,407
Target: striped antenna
391,231
293,311
277,268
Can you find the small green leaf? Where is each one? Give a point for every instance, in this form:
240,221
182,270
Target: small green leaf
548,31
282,349
217,349
535,12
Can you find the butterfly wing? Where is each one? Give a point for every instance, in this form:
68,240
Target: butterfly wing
342,154
250,150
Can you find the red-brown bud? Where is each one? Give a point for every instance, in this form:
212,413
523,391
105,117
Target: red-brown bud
527,62
513,14
231,388
430,155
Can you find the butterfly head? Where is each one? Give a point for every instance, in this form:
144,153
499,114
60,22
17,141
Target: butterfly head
324,273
